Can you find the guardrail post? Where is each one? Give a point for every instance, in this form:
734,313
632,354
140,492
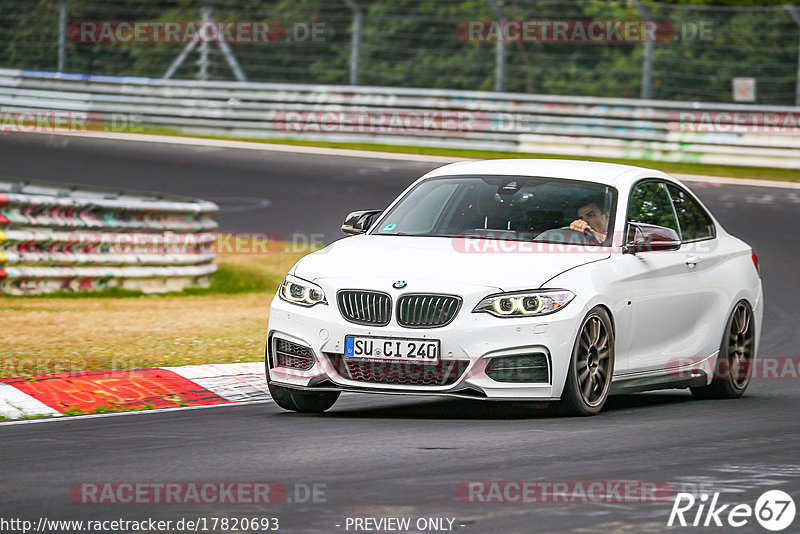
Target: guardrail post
499,51
355,42
795,14
649,49
63,13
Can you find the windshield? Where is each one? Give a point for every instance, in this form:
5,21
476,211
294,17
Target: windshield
521,208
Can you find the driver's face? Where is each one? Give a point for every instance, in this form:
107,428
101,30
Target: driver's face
597,219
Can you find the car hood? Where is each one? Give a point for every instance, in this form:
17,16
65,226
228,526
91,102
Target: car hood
505,265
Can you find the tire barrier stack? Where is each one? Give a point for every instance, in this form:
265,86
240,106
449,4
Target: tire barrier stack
66,238
658,130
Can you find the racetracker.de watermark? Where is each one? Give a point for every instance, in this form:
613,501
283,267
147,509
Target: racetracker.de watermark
207,493
190,243
557,241
187,31
737,122
177,493
760,368
565,31
390,121
564,491
51,121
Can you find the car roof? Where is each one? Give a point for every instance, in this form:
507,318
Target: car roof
612,174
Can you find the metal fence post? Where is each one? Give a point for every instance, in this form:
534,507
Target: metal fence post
499,65
795,14
355,43
63,12
202,62
499,51
649,48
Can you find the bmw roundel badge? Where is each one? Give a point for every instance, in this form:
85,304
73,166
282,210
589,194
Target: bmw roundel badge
400,284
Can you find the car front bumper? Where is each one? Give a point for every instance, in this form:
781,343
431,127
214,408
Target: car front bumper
467,345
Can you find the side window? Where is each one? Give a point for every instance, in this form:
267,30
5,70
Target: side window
695,222
423,215
650,203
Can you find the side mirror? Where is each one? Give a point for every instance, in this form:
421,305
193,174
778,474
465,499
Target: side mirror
358,222
650,238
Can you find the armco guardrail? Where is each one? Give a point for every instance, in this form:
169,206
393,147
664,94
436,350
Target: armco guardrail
56,237
593,127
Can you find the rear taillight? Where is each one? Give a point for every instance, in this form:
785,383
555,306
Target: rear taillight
755,262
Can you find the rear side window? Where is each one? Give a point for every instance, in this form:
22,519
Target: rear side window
695,222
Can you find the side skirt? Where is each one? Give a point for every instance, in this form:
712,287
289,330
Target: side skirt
697,374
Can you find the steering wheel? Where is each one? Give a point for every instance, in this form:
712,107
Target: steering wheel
588,233
560,235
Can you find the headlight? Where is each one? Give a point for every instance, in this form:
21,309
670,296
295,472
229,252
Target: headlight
525,303
300,292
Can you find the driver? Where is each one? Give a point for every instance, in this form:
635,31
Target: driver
591,217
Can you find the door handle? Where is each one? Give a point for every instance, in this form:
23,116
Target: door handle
692,260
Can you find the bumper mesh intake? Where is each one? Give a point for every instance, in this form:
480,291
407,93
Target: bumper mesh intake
293,356
525,368
444,373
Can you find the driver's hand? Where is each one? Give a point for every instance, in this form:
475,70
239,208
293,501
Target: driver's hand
579,225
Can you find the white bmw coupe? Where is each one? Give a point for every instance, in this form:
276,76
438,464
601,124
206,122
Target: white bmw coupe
521,280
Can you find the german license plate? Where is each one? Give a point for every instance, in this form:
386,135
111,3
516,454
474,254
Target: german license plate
425,351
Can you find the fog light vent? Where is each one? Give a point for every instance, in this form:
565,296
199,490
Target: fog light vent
293,356
525,368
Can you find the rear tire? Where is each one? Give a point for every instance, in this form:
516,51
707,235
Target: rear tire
734,366
591,367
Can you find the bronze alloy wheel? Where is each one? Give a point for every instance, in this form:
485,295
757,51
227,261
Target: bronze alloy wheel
589,376
741,340
737,352
593,362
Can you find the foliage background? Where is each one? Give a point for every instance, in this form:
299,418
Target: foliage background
413,43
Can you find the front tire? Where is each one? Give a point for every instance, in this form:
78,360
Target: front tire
296,400
591,367
734,365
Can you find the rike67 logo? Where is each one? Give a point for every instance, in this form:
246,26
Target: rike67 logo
774,510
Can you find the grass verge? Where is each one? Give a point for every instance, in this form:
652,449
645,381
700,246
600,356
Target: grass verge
728,171
225,323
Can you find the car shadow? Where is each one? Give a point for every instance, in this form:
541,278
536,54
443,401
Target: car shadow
647,400
467,409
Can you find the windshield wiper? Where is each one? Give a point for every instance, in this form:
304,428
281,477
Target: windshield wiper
464,236
405,234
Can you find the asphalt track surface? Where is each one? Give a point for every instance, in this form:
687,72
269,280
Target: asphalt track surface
393,456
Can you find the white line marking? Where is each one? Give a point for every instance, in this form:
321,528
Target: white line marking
737,181
16,403
119,414
250,145
237,382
